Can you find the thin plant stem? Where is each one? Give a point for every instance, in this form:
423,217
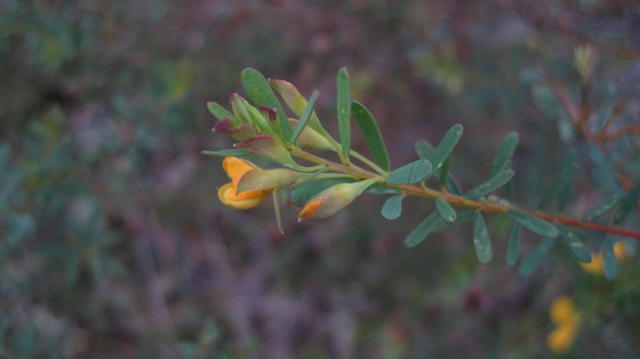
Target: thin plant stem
489,207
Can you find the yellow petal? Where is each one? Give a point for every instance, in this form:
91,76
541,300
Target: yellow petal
560,340
247,200
596,266
562,310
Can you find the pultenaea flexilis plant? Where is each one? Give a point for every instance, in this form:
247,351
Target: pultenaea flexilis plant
261,127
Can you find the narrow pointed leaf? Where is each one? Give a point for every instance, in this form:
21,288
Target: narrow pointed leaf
611,267
532,260
504,153
495,182
627,203
371,134
513,245
562,180
446,145
413,172
219,112
576,247
424,150
481,240
534,224
238,152
344,110
304,118
392,207
259,91
604,207
446,211
422,230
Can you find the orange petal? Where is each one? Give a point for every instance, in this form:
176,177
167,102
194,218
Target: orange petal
236,167
227,195
310,208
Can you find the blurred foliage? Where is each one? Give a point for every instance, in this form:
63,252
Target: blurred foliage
113,243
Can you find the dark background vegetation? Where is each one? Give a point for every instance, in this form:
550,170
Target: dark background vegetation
113,241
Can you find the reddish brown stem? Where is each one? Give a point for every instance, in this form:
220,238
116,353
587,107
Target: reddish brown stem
455,200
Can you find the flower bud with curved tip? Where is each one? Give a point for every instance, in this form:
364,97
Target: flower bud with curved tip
333,199
248,114
259,179
267,146
240,133
310,138
297,103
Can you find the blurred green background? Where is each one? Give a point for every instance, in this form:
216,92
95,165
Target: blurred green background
114,244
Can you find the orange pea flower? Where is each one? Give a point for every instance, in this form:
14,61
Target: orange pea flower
228,193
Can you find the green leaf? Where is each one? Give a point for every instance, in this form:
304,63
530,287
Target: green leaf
628,203
413,172
611,267
422,230
481,240
259,91
446,145
301,194
504,153
495,182
424,150
534,224
462,217
562,180
444,173
575,245
532,260
604,171
392,207
344,110
604,207
513,245
446,211
371,134
218,111
306,115
237,152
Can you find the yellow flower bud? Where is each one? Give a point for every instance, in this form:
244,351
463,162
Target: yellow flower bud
333,199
